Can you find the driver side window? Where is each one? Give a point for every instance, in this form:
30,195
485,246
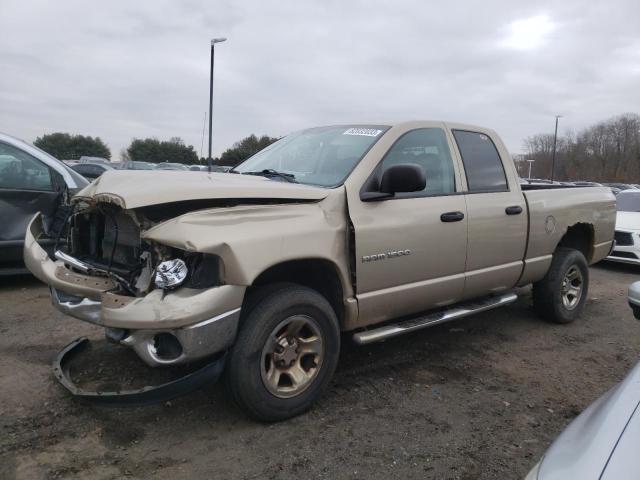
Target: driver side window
21,171
427,148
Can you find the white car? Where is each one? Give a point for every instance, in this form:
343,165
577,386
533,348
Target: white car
627,236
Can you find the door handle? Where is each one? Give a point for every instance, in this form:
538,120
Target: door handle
452,216
514,210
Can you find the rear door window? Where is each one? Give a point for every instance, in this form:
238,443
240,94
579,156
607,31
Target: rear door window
482,163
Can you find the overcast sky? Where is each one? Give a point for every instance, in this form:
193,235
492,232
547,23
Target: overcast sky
124,69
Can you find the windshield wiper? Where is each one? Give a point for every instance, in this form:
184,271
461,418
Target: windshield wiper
270,172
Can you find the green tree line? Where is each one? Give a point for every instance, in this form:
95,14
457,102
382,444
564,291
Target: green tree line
71,147
154,150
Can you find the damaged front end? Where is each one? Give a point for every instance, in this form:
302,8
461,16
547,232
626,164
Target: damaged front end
170,306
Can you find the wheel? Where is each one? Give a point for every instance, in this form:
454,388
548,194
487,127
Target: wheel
285,353
561,295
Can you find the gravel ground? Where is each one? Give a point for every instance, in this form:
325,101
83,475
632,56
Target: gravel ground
479,398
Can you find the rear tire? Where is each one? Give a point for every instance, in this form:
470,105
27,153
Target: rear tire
285,353
561,295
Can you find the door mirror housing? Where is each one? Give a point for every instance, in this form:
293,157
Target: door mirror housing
404,177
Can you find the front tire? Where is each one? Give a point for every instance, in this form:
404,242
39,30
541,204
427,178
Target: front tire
561,295
285,354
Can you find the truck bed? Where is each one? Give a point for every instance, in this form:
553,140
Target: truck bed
553,209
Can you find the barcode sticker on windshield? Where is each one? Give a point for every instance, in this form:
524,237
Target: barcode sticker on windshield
367,132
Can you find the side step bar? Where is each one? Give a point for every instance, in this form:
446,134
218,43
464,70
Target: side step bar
430,319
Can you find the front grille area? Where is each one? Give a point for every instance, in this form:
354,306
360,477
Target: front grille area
623,239
617,253
106,238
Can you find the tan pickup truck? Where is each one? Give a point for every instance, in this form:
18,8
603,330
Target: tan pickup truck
376,230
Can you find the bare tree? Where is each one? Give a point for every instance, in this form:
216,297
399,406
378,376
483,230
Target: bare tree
607,151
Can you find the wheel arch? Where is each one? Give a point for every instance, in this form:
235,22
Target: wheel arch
319,274
579,236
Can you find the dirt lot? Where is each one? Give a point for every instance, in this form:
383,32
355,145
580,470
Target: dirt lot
480,398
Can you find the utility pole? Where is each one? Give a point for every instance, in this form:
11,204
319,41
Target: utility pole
213,44
555,142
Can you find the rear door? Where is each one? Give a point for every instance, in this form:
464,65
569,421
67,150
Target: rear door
410,256
497,215
26,187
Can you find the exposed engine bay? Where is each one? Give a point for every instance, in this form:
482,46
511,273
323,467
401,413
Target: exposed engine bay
108,239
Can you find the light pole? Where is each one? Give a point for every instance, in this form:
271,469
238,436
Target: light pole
204,122
555,141
530,160
213,44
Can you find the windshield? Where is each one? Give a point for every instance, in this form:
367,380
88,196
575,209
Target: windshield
628,201
321,156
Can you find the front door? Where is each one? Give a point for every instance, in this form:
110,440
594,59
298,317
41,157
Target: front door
411,249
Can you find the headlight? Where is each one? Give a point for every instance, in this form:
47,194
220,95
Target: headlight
171,274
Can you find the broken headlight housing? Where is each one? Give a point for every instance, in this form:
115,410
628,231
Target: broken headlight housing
171,274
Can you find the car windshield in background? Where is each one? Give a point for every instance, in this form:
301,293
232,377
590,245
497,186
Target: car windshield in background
171,166
321,156
628,201
140,166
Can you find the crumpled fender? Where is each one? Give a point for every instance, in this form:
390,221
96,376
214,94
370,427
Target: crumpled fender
252,238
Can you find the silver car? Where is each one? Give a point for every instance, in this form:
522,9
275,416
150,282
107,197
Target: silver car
603,442
31,181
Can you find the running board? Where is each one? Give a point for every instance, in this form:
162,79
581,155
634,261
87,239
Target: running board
428,320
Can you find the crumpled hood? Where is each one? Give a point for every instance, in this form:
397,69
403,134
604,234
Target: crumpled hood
139,188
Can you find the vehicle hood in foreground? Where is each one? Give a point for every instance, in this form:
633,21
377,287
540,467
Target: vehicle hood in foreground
628,221
139,188
594,444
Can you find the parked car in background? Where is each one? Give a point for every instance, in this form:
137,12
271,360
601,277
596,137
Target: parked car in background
621,186
214,168
171,166
137,165
581,183
602,442
627,234
615,190
31,181
91,170
100,160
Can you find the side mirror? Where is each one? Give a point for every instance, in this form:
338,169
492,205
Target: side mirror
634,299
404,177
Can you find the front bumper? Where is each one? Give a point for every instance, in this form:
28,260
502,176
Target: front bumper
204,321
196,341
625,252
206,375
615,257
